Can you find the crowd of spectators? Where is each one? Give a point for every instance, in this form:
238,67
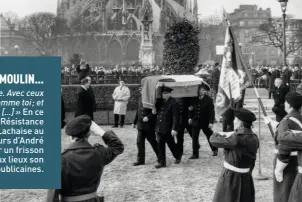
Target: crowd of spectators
109,74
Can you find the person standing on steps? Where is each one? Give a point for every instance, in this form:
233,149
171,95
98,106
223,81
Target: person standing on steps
166,126
202,118
144,121
121,97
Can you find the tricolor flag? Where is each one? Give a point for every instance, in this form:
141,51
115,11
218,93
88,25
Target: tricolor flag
234,75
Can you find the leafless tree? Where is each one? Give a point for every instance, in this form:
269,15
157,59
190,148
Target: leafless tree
42,30
212,32
271,34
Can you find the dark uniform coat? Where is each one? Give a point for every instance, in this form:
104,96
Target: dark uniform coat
203,112
289,142
168,116
140,114
83,164
202,115
240,150
282,190
145,131
279,107
184,104
167,120
85,103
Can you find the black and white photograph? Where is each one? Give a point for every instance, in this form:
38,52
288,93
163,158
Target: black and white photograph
169,100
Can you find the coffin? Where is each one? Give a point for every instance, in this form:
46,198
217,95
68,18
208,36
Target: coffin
182,85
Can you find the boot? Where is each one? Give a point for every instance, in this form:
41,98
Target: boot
280,166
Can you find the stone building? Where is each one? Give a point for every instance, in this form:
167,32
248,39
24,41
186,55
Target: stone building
246,21
120,31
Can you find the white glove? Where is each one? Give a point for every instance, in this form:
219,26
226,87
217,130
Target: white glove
227,134
145,119
280,166
267,120
96,129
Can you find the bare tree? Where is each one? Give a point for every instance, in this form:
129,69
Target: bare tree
42,30
212,32
272,34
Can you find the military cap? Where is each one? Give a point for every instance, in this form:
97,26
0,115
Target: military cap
204,86
166,89
79,126
294,99
245,115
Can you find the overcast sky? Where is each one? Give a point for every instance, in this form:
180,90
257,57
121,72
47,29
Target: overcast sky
206,7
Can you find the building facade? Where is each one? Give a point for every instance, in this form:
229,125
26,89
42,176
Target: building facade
246,21
111,31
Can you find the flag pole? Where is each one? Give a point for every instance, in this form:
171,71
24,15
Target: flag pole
259,175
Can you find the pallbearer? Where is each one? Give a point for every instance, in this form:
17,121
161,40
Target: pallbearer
184,108
285,162
144,121
202,118
240,149
166,127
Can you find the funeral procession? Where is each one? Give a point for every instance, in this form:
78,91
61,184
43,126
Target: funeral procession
169,100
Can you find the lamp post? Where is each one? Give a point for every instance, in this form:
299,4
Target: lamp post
283,4
16,48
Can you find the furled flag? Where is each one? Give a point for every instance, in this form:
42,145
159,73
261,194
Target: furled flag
233,76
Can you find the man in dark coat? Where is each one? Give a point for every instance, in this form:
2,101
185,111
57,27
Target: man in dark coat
184,105
228,121
285,161
89,159
167,126
90,90
240,150
292,140
279,98
83,69
202,118
85,101
272,75
144,120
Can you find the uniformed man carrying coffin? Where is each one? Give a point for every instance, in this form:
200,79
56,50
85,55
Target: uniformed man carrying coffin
166,126
184,105
285,162
145,121
202,118
88,159
240,149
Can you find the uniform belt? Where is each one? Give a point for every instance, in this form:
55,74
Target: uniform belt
300,169
80,197
235,169
295,153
